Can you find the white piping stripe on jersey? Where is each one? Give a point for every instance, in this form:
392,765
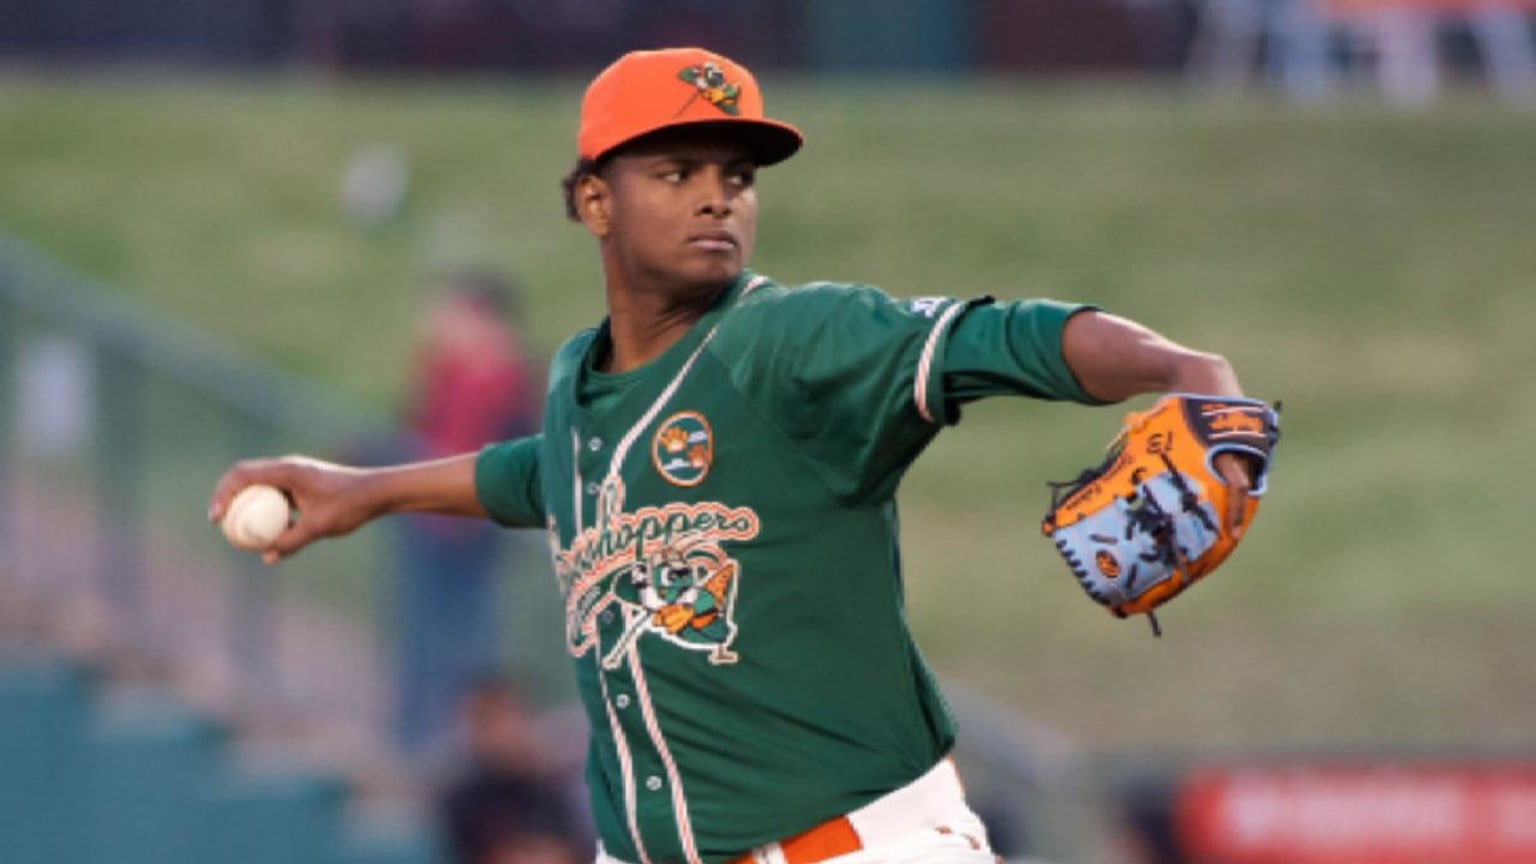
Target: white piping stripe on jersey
628,770
666,395
679,801
924,363
576,474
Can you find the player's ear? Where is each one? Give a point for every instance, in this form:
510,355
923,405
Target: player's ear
594,203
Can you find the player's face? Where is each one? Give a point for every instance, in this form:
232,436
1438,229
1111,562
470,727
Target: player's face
682,209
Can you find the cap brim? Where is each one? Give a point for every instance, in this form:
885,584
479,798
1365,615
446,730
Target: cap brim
771,142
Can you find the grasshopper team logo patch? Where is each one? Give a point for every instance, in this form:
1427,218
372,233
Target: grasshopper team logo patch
709,84
683,593
683,449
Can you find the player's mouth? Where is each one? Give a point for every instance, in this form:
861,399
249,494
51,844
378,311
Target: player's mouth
713,241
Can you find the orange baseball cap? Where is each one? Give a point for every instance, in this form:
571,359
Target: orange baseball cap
645,91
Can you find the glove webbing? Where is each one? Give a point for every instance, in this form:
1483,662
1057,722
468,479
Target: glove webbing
1148,516
1145,514
1156,522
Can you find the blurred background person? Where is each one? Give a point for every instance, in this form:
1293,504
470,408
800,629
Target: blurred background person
1287,39
1308,47
1505,39
512,800
1404,39
473,384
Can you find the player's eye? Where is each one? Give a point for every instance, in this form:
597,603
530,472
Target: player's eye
743,178
674,175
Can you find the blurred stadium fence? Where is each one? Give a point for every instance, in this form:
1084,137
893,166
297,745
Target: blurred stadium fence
163,698
113,426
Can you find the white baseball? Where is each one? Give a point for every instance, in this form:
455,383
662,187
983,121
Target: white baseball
255,516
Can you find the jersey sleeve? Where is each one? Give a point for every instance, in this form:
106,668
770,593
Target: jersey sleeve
862,381
847,373
998,349
507,482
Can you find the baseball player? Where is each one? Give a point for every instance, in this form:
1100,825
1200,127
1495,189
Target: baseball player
717,474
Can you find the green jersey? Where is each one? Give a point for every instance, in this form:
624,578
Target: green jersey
723,528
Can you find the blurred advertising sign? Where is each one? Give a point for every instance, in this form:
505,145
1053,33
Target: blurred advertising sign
1457,813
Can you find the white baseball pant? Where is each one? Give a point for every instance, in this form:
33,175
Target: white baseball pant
925,822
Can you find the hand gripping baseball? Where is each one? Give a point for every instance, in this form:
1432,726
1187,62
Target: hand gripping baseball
1166,506
326,496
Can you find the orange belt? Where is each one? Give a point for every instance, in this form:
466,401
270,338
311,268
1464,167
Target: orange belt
830,839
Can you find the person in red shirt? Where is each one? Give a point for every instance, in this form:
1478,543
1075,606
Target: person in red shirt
472,385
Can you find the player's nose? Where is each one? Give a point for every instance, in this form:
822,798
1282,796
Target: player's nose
715,192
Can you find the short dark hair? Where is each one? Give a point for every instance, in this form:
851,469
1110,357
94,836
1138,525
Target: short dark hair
584,166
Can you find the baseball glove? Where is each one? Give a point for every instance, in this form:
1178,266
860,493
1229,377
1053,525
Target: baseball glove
1151,520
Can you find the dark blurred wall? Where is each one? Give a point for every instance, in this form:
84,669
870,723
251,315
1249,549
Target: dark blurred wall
213,32
1080,35
862,36
883,36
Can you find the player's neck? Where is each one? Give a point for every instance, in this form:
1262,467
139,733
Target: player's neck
643,325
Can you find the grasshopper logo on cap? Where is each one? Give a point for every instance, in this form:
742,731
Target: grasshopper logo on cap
684,449
709,84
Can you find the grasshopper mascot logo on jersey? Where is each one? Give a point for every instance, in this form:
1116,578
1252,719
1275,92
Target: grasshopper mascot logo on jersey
657,571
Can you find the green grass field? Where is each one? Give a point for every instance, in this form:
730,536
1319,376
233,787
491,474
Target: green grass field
1365,266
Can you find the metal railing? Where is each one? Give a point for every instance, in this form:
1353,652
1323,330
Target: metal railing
114,424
